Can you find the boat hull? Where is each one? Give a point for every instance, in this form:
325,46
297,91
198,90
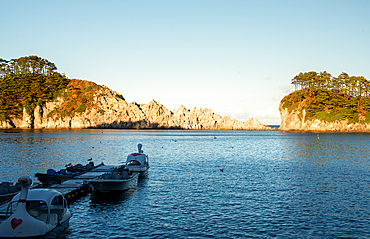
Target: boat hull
142,170
111,185
62,226
52,233
38,212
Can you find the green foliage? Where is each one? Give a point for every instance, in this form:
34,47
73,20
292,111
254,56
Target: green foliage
101,111
30,81
81,108
89,88
322,115
367,118
27,82
293,100
2,117
329,98
77,98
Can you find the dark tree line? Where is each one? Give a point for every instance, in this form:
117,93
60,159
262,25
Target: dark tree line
27,82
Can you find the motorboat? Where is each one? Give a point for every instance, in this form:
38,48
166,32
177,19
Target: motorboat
119,179
35,212
57,177
80,168
138,162
8,190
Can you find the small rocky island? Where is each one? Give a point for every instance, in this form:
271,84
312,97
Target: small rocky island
34,95
322,102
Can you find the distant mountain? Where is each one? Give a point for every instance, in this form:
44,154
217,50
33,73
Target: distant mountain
34,95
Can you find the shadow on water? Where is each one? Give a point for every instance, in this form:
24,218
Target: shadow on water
143,182
64,234
110,198
211,184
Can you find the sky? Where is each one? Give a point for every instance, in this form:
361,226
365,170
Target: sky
234,57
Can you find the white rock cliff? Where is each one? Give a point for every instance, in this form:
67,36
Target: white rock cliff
294,121
110,110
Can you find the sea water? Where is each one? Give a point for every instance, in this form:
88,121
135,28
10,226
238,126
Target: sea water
210,184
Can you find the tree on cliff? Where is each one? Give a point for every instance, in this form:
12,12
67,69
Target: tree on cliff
27,82
312,81
330,98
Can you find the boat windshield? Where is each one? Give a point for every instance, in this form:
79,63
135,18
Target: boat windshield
57,206
36,208
133,162
33,207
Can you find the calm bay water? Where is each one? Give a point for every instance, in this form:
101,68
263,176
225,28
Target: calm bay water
273,184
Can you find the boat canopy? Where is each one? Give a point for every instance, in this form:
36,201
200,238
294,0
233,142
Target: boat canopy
42,194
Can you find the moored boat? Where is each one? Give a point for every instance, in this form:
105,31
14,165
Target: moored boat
120,179
57,177
36,212
138,162
8,191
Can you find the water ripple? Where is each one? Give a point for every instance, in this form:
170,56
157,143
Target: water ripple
272,184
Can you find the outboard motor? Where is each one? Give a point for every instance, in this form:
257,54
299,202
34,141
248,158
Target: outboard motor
139,147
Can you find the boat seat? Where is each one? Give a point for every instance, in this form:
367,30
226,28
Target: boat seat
78,167
51,171
63,171
115,175
125,175
43,217
34,213
5,184
57,211
4,187
53,218
12,189
2,190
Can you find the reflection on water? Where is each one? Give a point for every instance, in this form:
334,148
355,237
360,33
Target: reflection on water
272,184
330,149
32,151
102,200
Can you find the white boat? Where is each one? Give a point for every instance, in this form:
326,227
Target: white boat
138,162
36,212
120,179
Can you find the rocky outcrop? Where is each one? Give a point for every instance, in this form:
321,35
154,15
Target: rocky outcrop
110,110
296,121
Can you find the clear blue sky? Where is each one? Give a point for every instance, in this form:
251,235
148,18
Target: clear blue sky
234,57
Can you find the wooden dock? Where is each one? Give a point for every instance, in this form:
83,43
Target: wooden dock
77,187
73,188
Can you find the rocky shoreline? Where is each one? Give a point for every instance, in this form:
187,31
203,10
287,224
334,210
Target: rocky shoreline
296,121
112,111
